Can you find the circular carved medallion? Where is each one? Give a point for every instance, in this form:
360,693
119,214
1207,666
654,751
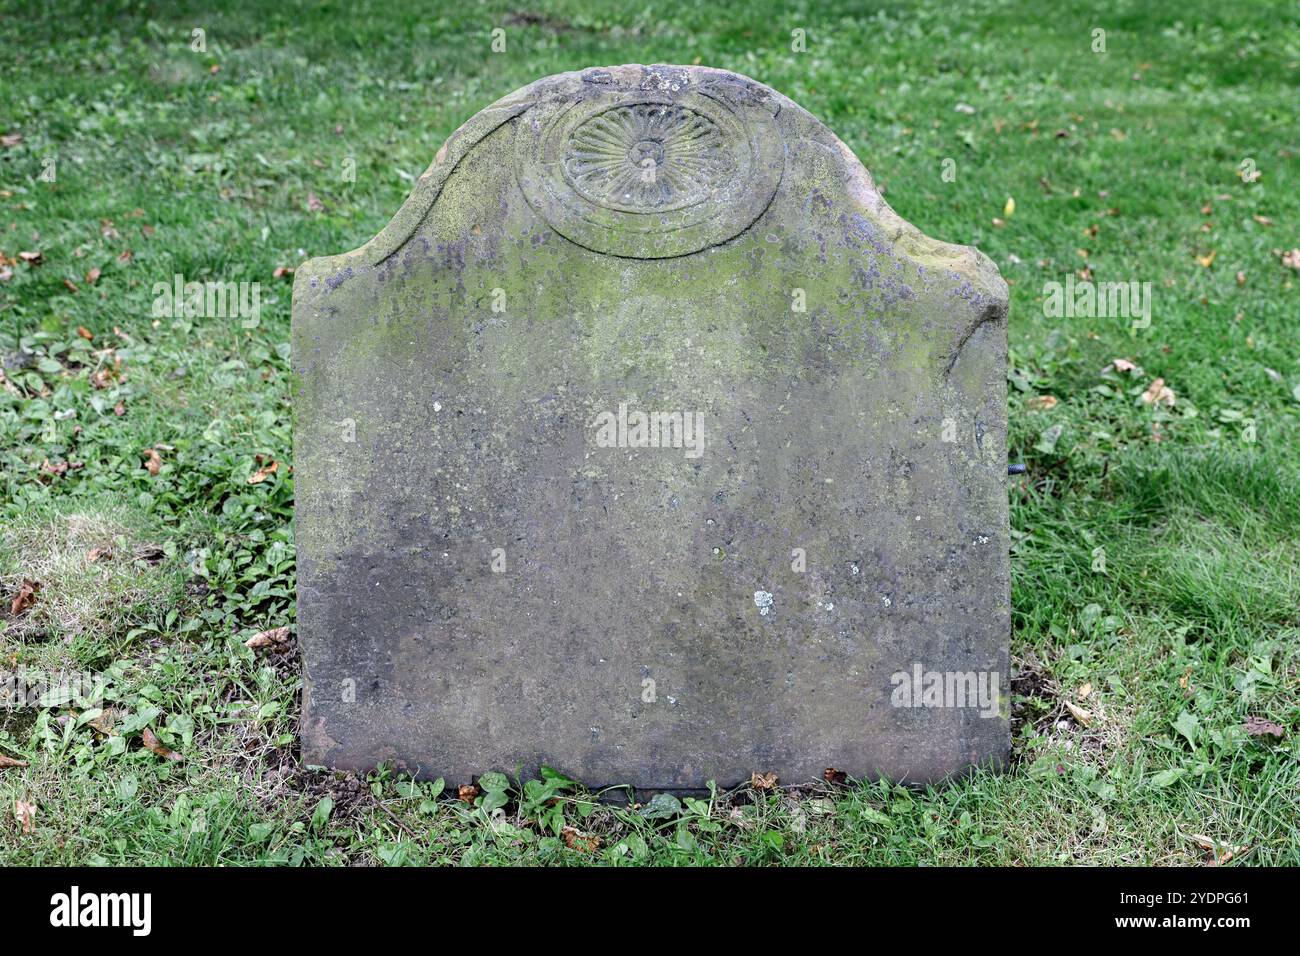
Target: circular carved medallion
651,157
647,176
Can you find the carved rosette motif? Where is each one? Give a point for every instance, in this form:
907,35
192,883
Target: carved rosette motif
651,157
649,176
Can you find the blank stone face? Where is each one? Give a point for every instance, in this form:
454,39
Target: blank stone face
646,442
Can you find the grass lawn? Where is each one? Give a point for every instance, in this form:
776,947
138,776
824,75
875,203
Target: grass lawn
1156,546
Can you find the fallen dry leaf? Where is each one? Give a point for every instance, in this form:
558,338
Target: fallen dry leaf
1082,717
155,746
105,722
466,793
1207,260
153,461
314,204
1042,402
10,140
1085,690
96,554
85,333
1263,220
277,637
762,781
1220,853
1241,278
25,597
1159,393
575,839
1124,365
266,471
25,813
93,276
831,775
109,374
72,286
7,762
1259,727
283,272
1291,259
31,258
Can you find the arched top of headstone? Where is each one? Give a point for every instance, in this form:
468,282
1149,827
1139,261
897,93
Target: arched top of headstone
651,162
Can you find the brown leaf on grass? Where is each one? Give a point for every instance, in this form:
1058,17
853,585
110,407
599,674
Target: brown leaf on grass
125,256
269,468
1158,393
1081,717
1259,727
25,814
7,762
575,839
85,333
1241,278
108,374
10,140
1220,853
97,554
25,597
6,273
105,722
1042,402
283,272
314,204
762,781
277,637
119,409
72,286
155,746
32,258
93,276
153,461
147,231
837,777
55,469
1263,220
1207,260
1291,259
466,793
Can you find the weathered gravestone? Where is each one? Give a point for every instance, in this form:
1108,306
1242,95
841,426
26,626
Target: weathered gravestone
648,443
